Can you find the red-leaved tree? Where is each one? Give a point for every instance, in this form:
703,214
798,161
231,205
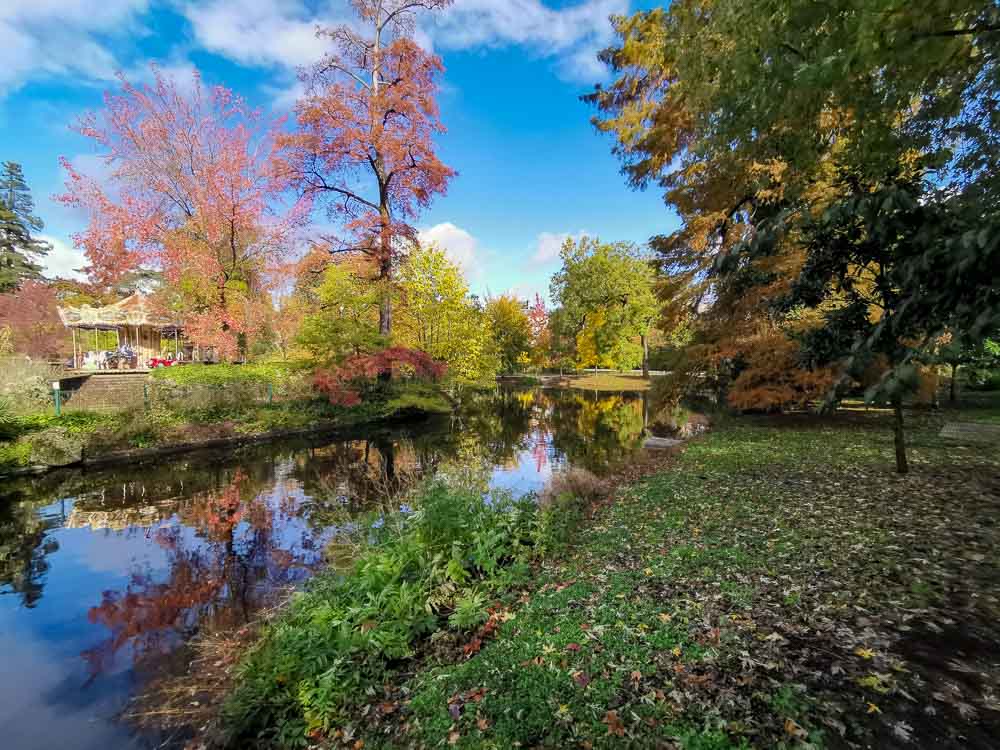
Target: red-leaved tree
196,188
365,145
35,329
343,384
541,338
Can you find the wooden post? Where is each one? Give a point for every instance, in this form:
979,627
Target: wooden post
75,366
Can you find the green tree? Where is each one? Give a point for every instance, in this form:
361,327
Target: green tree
605,294
435,314
19,249
773,127
345,321
511,331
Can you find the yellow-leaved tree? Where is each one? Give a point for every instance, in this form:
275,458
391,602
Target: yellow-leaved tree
437,315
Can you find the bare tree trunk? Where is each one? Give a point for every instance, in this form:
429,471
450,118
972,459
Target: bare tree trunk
902,467
645,356
951,386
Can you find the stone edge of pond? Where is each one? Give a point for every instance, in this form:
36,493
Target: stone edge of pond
141,454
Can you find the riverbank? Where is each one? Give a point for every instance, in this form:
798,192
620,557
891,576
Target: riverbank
601,381
39,443
776,584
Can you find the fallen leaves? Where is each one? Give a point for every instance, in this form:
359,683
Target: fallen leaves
614,724
582,679
794,729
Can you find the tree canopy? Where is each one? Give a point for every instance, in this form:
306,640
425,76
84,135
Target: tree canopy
605,294
20,249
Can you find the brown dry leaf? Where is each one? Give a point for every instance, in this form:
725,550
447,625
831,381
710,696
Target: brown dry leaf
453,737
483,724
582,679
574,647
793,729
636,676
615,725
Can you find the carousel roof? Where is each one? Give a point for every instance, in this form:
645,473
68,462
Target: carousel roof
134,310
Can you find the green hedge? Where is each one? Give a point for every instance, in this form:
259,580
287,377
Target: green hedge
224,374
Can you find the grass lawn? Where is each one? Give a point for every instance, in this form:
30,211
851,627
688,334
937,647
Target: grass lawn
606,381
776,585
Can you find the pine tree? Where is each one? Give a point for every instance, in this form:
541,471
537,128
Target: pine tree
19,250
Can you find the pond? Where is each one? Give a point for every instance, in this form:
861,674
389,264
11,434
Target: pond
105,574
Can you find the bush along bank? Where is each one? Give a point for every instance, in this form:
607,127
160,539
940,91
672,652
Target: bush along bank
425,574
192,414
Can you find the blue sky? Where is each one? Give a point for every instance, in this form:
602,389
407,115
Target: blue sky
532,170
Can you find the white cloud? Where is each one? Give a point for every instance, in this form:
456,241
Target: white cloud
53,38
460,246
550,243
262,33
281,33
573,35
63,261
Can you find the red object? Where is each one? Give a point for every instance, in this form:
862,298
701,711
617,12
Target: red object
160,362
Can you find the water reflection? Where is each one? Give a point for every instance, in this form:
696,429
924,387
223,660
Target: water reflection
103,575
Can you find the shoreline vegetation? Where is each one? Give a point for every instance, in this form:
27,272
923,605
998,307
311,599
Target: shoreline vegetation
206,407
200,407
745,591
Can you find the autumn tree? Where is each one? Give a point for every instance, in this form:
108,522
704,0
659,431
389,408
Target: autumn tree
364,145
606,294
20,250
197,191
437,316
761,120
511,329
32,319
541,335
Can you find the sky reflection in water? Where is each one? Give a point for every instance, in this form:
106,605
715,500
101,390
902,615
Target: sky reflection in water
105,574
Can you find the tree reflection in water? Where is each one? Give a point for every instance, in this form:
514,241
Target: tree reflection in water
232,533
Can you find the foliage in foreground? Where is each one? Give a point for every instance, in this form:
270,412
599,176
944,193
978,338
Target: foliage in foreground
435,561
775,588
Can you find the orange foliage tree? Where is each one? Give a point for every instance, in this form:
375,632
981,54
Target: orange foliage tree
364,145
32,319
196,190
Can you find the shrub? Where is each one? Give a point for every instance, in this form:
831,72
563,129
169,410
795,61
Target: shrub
984,380
223,374
365,376
417,570
197,387
8,425
27,384
56,446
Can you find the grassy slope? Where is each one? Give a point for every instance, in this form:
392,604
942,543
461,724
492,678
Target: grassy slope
778,586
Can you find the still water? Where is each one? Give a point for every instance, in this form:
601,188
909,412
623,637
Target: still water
104,575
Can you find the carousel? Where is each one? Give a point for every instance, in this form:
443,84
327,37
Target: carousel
142,338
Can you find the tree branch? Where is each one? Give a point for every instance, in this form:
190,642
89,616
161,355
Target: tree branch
971,30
